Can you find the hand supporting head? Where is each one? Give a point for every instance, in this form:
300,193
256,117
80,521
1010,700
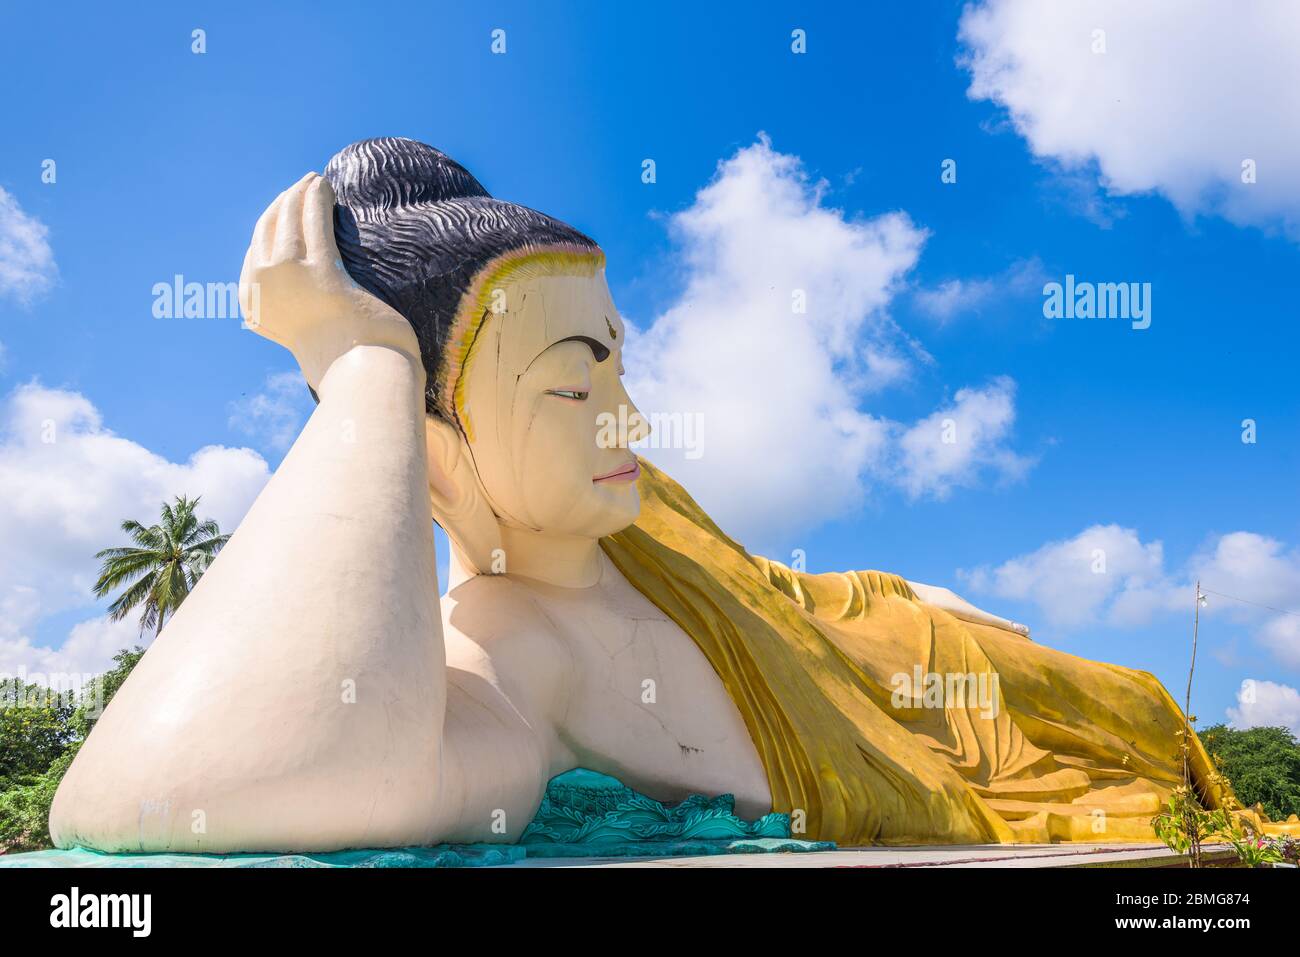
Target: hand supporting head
529,424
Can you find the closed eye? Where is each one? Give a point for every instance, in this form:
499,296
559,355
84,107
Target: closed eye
568,394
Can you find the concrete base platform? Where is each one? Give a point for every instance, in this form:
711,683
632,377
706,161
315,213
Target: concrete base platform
971,855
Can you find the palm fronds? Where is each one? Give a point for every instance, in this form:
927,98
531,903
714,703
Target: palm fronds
161,566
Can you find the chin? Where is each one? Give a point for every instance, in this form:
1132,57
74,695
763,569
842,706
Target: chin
619,507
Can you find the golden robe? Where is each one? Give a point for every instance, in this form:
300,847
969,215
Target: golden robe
1062,749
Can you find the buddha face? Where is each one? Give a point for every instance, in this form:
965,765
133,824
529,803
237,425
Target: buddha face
542,404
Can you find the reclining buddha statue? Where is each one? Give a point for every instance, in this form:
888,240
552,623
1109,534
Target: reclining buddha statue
315,693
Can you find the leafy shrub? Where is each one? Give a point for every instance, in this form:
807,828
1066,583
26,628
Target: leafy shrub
37,744
35,729
1263,765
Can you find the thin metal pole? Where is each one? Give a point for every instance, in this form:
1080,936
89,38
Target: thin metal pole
1196,624
1190,814
1187,706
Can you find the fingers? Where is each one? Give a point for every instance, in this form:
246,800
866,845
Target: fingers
289,241
299,222
264,232
250,292
318,221
246,288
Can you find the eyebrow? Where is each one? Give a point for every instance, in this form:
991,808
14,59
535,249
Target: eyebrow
598,349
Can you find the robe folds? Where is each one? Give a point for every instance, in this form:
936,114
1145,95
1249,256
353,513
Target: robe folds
1001,740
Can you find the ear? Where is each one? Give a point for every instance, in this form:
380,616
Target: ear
460,505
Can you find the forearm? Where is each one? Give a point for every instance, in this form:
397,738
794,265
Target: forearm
345,520
297,698
959,607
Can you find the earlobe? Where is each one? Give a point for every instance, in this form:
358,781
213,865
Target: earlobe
443,444
457,498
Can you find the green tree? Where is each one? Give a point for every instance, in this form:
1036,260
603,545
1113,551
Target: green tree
45,742
25,811
100,692
163,565
1263,765
35,729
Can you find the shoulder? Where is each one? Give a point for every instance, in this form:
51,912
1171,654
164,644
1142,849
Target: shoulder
489,610
496,630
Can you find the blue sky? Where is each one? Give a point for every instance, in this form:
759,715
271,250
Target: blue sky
165,158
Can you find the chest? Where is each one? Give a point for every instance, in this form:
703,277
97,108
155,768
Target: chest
629,654
646,705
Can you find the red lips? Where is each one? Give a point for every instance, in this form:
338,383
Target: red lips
624,473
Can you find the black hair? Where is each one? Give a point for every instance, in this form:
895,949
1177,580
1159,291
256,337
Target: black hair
415,228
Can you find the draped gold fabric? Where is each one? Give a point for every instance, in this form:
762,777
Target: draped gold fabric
1057,749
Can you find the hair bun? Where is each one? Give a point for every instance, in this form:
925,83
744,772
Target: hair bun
375,177
415,229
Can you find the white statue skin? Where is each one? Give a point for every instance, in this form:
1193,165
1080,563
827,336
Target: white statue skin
309,696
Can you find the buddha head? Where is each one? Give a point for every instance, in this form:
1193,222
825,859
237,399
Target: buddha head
528,423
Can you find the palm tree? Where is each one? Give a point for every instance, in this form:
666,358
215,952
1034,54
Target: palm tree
162,566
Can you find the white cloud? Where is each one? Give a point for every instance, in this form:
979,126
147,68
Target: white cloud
779,390
1108,574
27,266
957,297
961,443
1251,566
1185,91
1072,581
88,650
275,415
1282,636
1264,574
66,484
1266,704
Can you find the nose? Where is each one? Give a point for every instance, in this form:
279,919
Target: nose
638,426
